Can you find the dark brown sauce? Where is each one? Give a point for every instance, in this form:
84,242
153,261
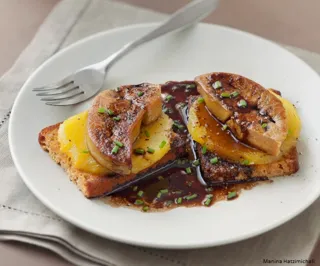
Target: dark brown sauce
224,140
174,187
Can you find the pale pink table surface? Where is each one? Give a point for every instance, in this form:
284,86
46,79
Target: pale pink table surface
292,22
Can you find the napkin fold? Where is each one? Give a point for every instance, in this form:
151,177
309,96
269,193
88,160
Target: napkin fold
23,218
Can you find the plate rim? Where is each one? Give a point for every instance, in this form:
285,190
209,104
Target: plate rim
138,242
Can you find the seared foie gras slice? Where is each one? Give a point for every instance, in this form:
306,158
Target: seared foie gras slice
205,129
254,115
114,122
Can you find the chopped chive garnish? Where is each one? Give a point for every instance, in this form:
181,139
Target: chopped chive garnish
231,194
245,162
164,191
208,200
168,98
140,193
200,100
102,110
180,105
190,86
242,103
217,85
85,151
138,202
140,93
264,125
116,118
179,200
289,132
147,134
234,94
189,183
162,144
178,125
109,112
168,203
214,160
204,149
118,143
165,110
115,149
169,111
224,127
180,161
150,150
159,195
225,95
196,163
188,170
139,151
190,197
135,188
145,208
117,89
209,189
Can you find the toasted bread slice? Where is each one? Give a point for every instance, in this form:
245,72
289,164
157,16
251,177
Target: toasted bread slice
254,115
93,185
225,172
116,117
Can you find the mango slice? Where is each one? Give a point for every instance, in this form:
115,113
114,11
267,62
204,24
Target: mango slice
159,132
72,137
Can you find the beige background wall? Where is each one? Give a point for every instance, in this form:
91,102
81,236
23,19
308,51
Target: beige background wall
294,22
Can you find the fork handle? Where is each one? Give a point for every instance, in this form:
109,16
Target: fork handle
189,14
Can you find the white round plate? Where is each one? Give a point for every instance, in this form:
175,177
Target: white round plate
178,56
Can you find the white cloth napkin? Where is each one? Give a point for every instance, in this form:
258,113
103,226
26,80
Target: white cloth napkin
24,218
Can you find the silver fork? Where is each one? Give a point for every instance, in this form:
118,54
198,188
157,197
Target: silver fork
86,82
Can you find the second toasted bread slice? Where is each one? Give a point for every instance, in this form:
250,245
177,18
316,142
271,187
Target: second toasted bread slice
224,172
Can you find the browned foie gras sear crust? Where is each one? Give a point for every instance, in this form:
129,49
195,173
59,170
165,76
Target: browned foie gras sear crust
132,106
262,107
